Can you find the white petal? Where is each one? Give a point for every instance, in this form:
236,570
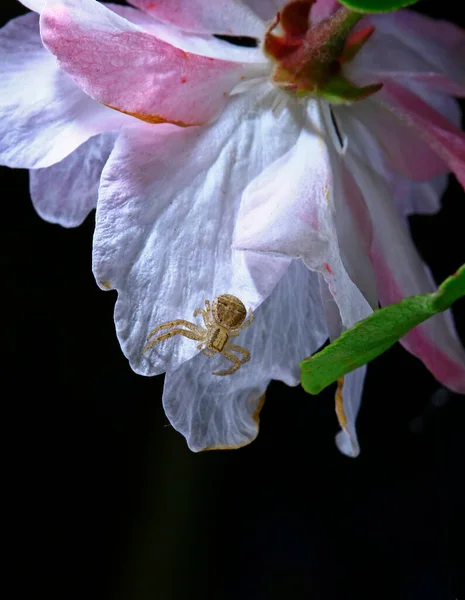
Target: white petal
221,412
290,211
36,5
346,439
66,192
45,116
414,197
167,210
352,388
266,9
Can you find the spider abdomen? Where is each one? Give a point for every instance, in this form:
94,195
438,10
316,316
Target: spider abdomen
217,338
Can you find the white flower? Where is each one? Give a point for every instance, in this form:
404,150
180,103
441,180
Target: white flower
236,178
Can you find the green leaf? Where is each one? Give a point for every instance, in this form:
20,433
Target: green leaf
374,335
376,6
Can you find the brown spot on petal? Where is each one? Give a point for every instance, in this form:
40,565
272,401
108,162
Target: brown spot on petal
341,416
260,403
153,119
106,285
255,417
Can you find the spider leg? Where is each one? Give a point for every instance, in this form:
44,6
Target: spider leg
245,353
205,312
208,352
164,336
175,323
247,322
233,359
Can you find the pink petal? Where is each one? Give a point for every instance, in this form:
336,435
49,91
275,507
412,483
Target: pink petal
402,50
410,196
125,68
384,130
438,46
400,273
45,116
227,17
443,137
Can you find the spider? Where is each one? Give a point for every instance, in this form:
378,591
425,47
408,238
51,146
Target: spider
223,320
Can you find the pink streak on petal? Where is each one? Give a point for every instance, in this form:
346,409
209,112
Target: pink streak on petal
136,73
441,135
433,80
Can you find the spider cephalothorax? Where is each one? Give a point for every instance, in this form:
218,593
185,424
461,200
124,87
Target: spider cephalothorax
224,319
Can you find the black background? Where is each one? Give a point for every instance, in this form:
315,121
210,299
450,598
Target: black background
108,502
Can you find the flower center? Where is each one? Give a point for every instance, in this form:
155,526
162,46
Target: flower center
309,58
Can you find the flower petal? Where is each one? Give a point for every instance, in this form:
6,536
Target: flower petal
289,210
348,400
349,392
410,196
121,66
413,197
222,412
168,203
35,5
447,141
205,45
266,9
387,136
45,116
227,17
407,44
66,192
400,273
